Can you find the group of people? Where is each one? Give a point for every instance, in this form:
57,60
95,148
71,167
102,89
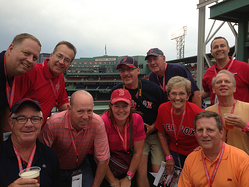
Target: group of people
161,118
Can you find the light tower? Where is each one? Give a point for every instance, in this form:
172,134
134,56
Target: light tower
179,36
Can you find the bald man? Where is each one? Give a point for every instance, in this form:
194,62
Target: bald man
71,134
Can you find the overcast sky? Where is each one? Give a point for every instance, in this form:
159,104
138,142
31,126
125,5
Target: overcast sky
129,27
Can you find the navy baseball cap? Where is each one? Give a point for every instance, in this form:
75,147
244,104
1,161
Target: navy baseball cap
154,52
15,107
128,61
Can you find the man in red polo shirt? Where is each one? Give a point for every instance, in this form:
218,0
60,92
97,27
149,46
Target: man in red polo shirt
45,82
220,50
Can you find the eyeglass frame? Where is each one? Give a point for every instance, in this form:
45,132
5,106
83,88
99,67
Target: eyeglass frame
129,69
16,118
181,94
61,57
156,59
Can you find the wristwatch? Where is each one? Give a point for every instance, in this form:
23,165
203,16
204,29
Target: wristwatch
129,177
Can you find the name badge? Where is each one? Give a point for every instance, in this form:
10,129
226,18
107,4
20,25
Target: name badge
77,178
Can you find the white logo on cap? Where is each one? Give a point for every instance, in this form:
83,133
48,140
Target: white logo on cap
121,92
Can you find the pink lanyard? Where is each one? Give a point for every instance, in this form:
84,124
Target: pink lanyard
124,140
222,118
227,68
9,91
54,88
210,181
73,141
163,86
174,127
31,157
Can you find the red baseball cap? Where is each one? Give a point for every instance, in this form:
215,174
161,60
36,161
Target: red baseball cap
121,95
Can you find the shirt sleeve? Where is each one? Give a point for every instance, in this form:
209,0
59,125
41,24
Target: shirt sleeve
101,145
139,123
46,135
159,119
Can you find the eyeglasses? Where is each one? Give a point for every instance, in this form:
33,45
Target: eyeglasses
122,70
173,94
24,119
61,57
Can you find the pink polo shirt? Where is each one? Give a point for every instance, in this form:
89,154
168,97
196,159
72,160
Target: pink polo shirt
55,134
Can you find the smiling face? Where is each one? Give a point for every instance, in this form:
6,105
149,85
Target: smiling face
156,63
178,97
28,132
22,57
121,111
60,60
81,111
129,77
207,134
223,85
220,50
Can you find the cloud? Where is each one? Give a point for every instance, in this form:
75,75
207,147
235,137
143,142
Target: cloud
128,27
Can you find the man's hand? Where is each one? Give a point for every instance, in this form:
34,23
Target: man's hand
25,183
150,128
235,120
125,182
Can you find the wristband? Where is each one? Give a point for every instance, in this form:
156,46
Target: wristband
114,184
169,157
130,174
246,128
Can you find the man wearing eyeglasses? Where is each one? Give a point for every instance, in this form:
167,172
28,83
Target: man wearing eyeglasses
45,83
161,72
22,149
146,98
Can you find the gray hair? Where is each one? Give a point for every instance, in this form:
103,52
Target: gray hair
226,72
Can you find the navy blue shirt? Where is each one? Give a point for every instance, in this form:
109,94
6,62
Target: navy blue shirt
3,100
44,157
152,97
175,70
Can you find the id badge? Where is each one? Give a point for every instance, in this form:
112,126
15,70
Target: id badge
77,178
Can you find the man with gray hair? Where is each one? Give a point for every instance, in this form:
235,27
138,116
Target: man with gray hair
19,58
234,113
22,150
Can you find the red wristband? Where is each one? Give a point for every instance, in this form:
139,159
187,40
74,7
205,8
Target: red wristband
246,128
130,174
169,157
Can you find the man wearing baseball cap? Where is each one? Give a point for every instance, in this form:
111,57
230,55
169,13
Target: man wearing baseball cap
146,98
22,149
161,72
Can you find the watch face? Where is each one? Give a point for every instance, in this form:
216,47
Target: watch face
129,177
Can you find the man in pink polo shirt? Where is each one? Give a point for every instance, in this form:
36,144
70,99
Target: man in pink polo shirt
71,134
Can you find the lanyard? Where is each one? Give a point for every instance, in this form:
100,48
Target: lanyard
55,88
227,68
31,157
222,118
174,126
210,181
73,141
163,86
9,91
124,140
